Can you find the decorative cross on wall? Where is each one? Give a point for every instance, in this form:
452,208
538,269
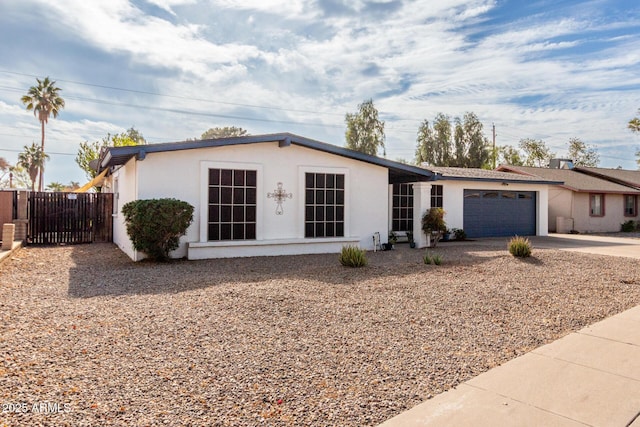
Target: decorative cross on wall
280,195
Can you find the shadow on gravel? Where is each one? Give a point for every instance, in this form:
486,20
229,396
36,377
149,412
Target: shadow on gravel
102,269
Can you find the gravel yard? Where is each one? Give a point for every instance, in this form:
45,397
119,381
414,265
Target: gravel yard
278,341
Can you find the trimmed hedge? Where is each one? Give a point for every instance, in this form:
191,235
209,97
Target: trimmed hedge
155,225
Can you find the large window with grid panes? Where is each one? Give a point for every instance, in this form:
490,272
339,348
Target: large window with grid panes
402,209
232,204
324,205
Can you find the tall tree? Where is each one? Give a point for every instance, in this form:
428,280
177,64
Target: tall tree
509,155
90,151
581,154
223,132
434,144
32,160
365,130
471,146
45,100
536,152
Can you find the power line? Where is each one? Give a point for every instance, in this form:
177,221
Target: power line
176,96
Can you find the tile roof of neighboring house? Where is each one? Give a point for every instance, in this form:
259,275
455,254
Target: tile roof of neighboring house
573,179
621,176
451,173
398,172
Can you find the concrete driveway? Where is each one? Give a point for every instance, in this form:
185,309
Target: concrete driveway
600,245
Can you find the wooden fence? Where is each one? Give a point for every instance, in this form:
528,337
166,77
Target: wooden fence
70,218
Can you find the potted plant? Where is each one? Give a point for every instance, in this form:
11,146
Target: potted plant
412,243
460,234
447,235
393,238
433,225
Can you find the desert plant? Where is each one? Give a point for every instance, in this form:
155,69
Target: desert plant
460,234
432,258
155,225
520,247
628,226
427,258
353,256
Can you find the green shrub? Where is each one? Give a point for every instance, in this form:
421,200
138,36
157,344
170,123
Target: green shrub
628,226
155,225
427,259
433,221
460,234
353,256
437,259
520,247
432,259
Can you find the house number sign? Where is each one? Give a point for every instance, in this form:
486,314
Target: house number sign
279,195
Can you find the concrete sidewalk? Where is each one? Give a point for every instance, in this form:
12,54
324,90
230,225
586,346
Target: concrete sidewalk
590,377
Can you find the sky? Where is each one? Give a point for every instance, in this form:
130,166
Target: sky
542,69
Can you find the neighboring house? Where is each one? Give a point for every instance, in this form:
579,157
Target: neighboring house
284,194
587,201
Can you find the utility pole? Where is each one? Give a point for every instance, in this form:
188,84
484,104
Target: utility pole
495,153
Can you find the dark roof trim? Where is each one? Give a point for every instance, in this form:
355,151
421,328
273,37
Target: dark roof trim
398,172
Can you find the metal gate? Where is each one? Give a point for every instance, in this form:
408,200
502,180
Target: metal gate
70,218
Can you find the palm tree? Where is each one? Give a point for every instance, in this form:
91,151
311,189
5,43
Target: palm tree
44,100
32,160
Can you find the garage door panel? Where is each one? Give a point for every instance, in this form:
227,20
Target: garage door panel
490,213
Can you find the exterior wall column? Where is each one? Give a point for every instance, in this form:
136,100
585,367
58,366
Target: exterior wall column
421,202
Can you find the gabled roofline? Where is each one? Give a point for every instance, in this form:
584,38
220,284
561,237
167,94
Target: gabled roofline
115,156
607,177
632,190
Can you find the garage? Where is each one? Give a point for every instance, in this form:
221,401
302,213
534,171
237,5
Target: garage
495,213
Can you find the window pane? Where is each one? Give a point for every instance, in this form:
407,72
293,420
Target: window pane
251,196
226,194
225,231
330,230
340,197
250,231
214,194
238,177
225,213
238,231
309,180
331,181
238,214
330,197
251,178
320,180
214,176
308,229
309,213
250,214
319,229
225,177
339,229
319,197
340,181
238,196
214,232
308,197
319,213
490,194
329,213
214,213
339,213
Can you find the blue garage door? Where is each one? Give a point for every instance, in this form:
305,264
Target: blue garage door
491,213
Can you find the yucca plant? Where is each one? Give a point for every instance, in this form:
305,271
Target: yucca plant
520,247
353,256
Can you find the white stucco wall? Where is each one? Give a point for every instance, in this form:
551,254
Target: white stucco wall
453,200
124,184
183,175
